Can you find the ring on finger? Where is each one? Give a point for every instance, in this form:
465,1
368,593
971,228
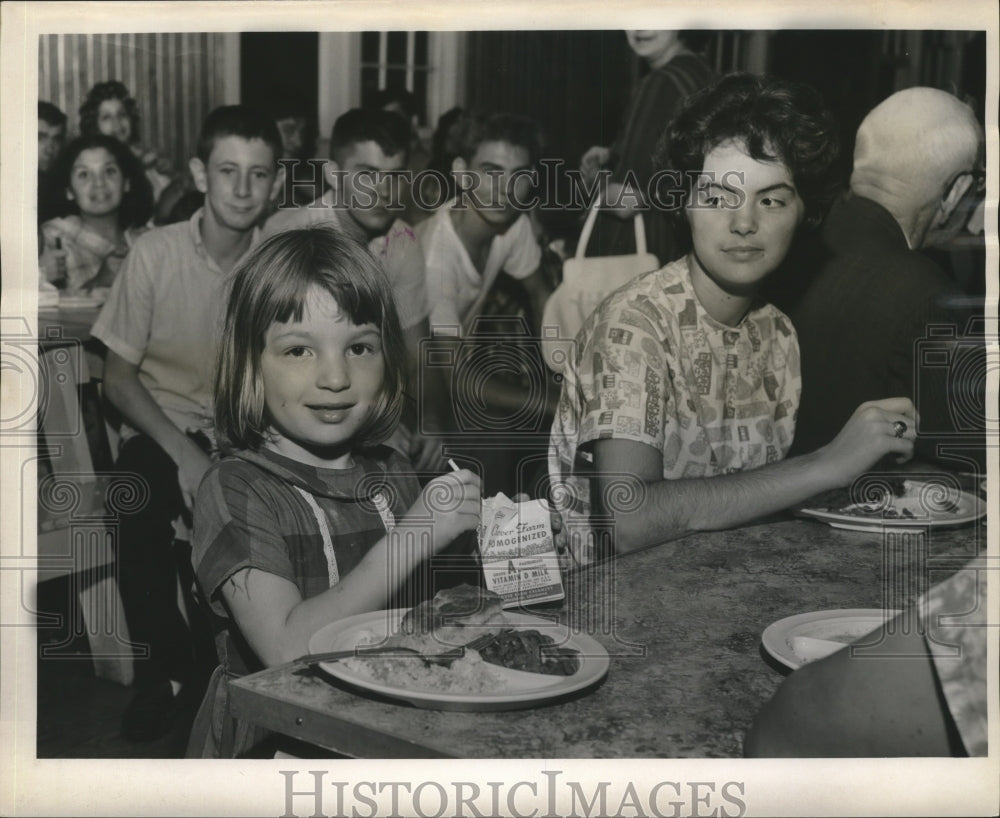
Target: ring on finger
899,428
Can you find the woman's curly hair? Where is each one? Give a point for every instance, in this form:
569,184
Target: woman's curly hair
772,119
112,89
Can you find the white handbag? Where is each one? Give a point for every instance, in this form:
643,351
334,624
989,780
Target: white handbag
585,284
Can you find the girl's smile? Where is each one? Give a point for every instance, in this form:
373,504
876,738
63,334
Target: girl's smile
331,412
322,378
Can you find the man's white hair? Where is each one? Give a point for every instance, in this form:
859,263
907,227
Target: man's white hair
912,145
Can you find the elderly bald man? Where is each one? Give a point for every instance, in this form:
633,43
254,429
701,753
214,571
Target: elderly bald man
876,300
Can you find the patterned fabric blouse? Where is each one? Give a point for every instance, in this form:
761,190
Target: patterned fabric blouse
953,615
651,366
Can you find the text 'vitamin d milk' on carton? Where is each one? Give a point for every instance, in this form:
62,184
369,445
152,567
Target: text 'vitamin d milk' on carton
518,553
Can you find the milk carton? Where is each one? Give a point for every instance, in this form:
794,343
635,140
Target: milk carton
518,553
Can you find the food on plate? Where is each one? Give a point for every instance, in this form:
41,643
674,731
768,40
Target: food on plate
470,674
531,651
465,606
456,617
903,502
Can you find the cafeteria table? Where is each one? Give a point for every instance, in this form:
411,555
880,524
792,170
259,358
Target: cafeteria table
682,625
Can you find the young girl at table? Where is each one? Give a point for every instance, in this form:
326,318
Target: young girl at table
108,202
305,521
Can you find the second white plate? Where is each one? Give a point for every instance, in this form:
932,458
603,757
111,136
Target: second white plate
924,505
789,640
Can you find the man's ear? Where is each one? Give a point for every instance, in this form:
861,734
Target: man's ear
953,195
279,182
199,173
330,169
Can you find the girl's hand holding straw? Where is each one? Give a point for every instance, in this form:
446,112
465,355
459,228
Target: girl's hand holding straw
451,502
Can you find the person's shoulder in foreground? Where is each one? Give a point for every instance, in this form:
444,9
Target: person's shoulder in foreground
916,687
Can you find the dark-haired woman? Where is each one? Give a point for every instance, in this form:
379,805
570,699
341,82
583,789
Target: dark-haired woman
676,71
109,200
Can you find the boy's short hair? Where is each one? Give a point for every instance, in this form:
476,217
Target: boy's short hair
238,120
47,112
270,285
389,130
137,201
519,131
770,118
399,97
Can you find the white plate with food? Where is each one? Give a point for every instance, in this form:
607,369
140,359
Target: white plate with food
803,638
900,504
561,661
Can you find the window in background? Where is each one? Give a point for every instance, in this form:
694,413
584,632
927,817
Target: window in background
396,61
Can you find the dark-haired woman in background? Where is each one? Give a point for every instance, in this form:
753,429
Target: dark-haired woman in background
109,200
676,70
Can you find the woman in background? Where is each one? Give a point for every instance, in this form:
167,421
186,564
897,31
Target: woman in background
109,200
676,70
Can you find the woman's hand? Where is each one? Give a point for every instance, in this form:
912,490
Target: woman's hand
870,434
560,538
450,504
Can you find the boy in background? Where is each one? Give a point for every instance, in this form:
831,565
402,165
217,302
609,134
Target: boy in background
160,325
368,152
51,136
486,229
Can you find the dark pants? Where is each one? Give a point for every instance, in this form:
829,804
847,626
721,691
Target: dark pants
149,563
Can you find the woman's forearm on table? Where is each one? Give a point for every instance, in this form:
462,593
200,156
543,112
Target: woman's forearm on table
666,509
658,510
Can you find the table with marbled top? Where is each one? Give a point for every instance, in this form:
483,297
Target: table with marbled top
681,623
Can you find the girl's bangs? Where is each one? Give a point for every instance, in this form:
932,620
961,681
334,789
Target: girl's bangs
288,293
288,301
360,305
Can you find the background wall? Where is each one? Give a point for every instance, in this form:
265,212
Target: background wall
576,83
176,80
